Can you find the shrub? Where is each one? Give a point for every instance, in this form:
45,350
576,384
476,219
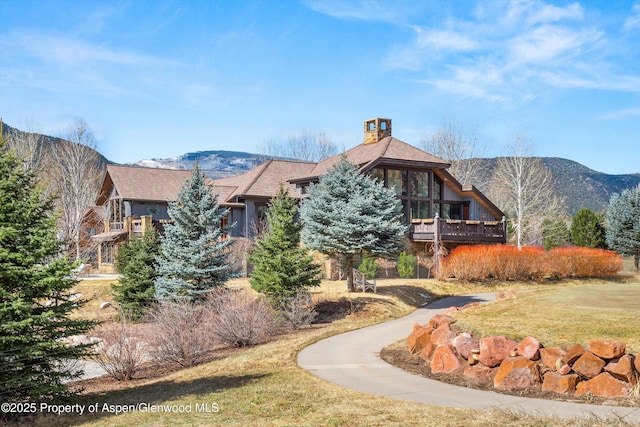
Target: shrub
299,310
180,332
577,261
120,353
240,319
369,267
506,262
406,265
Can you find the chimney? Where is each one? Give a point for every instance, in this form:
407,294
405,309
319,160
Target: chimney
376,129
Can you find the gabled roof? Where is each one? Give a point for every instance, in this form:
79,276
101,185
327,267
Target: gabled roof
140,183
263,180
388,150
468,190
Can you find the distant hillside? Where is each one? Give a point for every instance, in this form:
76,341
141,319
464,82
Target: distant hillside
217,163
579,185
44,142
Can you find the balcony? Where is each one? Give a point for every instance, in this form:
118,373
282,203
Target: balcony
460,231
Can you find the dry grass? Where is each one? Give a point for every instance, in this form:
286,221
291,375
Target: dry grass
562,316
263,386
94,293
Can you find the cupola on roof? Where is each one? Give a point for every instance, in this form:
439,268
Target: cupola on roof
376,129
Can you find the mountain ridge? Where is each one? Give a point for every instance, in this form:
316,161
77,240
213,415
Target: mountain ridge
579,185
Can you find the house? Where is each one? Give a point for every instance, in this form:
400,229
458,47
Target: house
437,208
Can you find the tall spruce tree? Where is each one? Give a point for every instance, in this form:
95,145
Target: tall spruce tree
282,268
347,214
623,224
194,253
586,229
135,291
35,291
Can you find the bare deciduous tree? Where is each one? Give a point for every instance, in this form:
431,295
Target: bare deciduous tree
522,187
75,170
308,146
452,143
28,146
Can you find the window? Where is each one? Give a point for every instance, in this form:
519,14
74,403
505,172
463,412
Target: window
451,211
419,184
377,174
420,209
437,189
262,211
397,180
108,253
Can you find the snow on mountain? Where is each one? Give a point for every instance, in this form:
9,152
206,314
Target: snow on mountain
217,163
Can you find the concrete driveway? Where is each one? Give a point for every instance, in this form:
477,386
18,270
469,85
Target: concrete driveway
352,360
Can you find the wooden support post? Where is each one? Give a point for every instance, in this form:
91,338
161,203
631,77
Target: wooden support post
436,241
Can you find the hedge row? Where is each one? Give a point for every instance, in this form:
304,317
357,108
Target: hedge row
506,262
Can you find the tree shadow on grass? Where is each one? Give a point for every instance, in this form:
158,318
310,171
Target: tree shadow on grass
147,395
414,296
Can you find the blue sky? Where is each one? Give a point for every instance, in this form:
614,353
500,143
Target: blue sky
162,78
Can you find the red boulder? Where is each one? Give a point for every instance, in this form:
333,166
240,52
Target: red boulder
444,360
607,349
561,384
493,350
603,385
517,373
588,365
623,369
529,348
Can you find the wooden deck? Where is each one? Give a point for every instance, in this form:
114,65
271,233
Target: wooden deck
461,231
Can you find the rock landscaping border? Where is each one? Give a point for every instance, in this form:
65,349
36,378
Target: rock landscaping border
601,369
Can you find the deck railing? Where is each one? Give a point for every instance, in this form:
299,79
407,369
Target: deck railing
464,231
116,226
136,227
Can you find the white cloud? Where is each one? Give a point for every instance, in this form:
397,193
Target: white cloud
362,10
550,13
478,81
444,39
533,12
633,21
549,42
574,80
621,114
68,51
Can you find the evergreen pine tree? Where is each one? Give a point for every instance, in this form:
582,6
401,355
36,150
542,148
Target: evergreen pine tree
35,291
555,233
281,267
193,256
586,229
623,224
135,291
348,214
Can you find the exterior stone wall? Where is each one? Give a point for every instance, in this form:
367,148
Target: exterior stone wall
603,368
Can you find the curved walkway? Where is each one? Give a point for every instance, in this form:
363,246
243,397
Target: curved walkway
352,360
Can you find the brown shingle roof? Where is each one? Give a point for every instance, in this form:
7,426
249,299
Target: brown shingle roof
388,149
140,183
263,180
